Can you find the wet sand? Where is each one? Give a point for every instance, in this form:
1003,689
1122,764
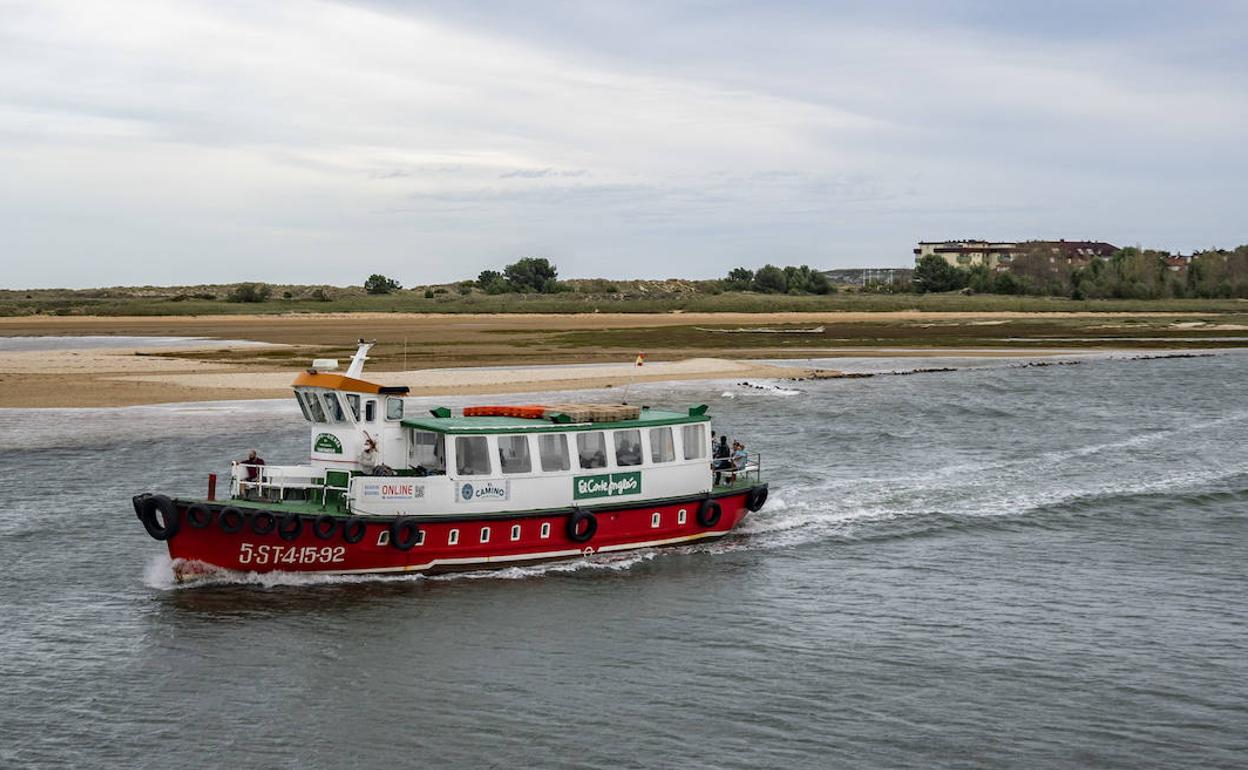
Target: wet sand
438,350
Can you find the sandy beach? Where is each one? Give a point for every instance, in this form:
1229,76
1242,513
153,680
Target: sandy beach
125,375
442,354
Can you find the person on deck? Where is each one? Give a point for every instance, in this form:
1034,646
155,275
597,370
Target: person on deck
253,464
368,455
739,460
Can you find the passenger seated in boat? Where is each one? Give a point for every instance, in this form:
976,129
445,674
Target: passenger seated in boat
593,460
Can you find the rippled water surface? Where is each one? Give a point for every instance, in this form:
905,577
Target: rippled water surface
993,567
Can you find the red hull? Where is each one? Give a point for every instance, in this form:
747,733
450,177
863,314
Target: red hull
445,545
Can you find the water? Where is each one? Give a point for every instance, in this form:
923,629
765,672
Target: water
994,567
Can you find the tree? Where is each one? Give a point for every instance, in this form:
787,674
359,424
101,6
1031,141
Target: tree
379,284
492,282
818,283
250,292
739,279
770,279
532,274
933,273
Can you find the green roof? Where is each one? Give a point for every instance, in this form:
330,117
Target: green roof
649,418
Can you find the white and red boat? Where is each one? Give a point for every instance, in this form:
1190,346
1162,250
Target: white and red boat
388,490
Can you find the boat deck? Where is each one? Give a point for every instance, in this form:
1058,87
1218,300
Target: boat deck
337,507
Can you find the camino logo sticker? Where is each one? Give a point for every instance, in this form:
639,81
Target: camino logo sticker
606,485
483,491
327,443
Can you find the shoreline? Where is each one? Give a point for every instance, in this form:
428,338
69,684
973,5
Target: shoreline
247,357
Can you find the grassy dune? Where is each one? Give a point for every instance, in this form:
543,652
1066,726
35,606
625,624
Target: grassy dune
633,297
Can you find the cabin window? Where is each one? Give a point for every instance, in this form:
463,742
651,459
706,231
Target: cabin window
545,529
553,448
513,454
472,456
353,403
303,407
515,531
333,408
628,447
485,534
370,410
694,439
394,408
662,446
681,516
695,442
428,451
314,406
453,537
591,448
655,519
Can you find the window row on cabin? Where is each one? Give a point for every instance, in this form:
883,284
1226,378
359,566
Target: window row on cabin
593,450
327,407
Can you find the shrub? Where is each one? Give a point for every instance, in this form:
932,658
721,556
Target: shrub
320,295
250,292
428,293
770,279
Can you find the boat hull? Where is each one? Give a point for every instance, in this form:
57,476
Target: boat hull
441,544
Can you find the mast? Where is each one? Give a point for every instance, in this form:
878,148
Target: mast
357,361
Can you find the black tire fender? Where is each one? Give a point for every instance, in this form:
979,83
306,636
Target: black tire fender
756,498
289,526
161,527
574,526
199,516
354,529
263,522
231,520
709,513
404,533
325,525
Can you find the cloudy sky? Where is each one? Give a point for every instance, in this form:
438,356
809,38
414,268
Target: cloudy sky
184,142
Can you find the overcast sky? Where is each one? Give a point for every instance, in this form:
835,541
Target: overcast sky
317,142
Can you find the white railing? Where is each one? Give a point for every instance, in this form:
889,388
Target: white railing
729,470
270,482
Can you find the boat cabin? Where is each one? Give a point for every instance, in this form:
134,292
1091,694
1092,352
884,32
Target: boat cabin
373,452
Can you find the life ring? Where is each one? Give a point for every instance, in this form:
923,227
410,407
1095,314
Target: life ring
199,516
231,520
404,533
289,526
354,529
263,522
755,499
166,525
323,526
709,513
574,526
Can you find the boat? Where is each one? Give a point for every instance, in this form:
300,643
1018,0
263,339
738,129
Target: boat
392,488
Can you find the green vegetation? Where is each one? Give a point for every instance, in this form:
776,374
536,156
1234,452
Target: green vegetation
1132,281
380,284
776,280
250,292
1131,273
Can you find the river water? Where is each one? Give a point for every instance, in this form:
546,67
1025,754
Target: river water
992,567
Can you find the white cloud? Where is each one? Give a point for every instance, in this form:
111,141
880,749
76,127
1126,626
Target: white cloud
185,141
